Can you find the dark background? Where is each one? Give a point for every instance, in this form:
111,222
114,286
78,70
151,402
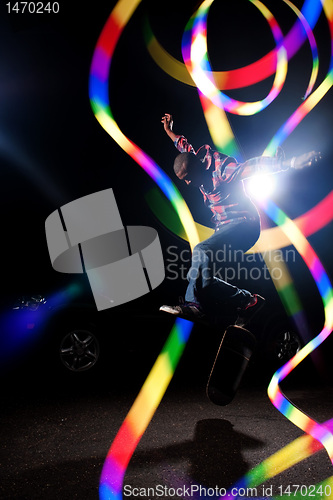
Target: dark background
57,426
52,149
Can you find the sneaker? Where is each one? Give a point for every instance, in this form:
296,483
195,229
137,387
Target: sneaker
250,309
188,310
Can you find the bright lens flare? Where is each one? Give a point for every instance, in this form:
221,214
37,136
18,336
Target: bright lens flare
261,186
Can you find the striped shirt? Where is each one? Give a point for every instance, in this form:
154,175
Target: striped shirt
228,200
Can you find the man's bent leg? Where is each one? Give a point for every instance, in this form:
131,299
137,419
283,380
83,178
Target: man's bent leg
204,287
207,297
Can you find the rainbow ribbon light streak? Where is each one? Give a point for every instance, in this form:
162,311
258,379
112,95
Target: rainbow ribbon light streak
257,71
325,289
196,60
215,113
300,449
99,99
197,71
317,434
142,411
198,66
162,372
312,100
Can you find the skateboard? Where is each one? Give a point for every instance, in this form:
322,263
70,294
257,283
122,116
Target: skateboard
234,353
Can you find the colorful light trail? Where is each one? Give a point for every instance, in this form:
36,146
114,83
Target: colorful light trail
152,392
199,59
157,382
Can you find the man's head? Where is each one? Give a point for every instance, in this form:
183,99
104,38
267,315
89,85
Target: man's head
189,169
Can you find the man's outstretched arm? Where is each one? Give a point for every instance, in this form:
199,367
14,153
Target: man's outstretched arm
267,165
179,141
168,124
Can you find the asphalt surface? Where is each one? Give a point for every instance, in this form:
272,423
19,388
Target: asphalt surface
55,435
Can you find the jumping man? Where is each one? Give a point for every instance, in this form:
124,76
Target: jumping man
237,222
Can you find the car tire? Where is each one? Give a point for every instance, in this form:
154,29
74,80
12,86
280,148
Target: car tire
79,349
282,342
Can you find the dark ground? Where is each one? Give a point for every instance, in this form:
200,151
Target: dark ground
55,433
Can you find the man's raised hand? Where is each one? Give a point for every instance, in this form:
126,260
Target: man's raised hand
167,121
305,160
